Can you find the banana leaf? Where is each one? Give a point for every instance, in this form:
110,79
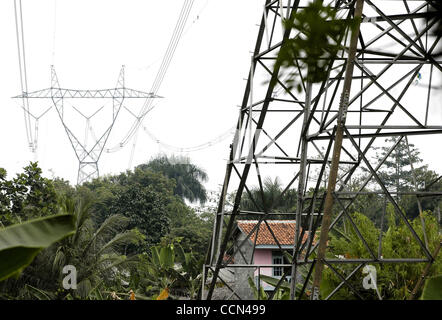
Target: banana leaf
259,295
167,257
20,243
274,281
433,289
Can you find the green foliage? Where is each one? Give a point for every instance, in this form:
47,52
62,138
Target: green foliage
257,294
147,198
169,267
20,243
191,266
146,210
187,176
95,252
63,188
283,292
27,196
273,201
396,170
399,280
395,281
142,196
115,218
340,245
397,175
316,44
433,289
193,231
98,253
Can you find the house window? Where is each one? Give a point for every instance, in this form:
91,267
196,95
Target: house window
277,259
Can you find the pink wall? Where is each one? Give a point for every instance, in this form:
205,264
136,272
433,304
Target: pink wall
263,256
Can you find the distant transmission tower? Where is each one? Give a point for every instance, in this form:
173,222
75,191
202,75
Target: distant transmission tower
383,85
89,147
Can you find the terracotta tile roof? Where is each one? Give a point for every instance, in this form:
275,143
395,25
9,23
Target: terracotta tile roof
284,231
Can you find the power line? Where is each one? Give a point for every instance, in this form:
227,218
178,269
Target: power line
170,51
147,105
199,147
54,32
23,72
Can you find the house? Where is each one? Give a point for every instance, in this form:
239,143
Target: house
268,238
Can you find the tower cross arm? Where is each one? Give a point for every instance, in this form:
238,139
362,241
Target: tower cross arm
125,93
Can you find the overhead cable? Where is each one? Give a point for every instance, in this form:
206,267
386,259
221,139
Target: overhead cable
23,72
173,43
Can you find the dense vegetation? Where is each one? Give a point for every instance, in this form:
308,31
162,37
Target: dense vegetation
134,231
121,223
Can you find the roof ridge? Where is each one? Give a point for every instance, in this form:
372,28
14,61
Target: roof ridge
268,221
283,230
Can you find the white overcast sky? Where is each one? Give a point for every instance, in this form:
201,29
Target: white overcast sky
88,40
93,38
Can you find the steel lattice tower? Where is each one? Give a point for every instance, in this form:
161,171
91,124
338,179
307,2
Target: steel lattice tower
282,132
87,150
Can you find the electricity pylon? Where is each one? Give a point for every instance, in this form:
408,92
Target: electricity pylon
383,87
89,148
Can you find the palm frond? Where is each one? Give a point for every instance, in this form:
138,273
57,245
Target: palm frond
37,293
112,224
124,238
59,260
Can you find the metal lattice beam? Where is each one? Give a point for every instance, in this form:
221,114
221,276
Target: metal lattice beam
290,133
